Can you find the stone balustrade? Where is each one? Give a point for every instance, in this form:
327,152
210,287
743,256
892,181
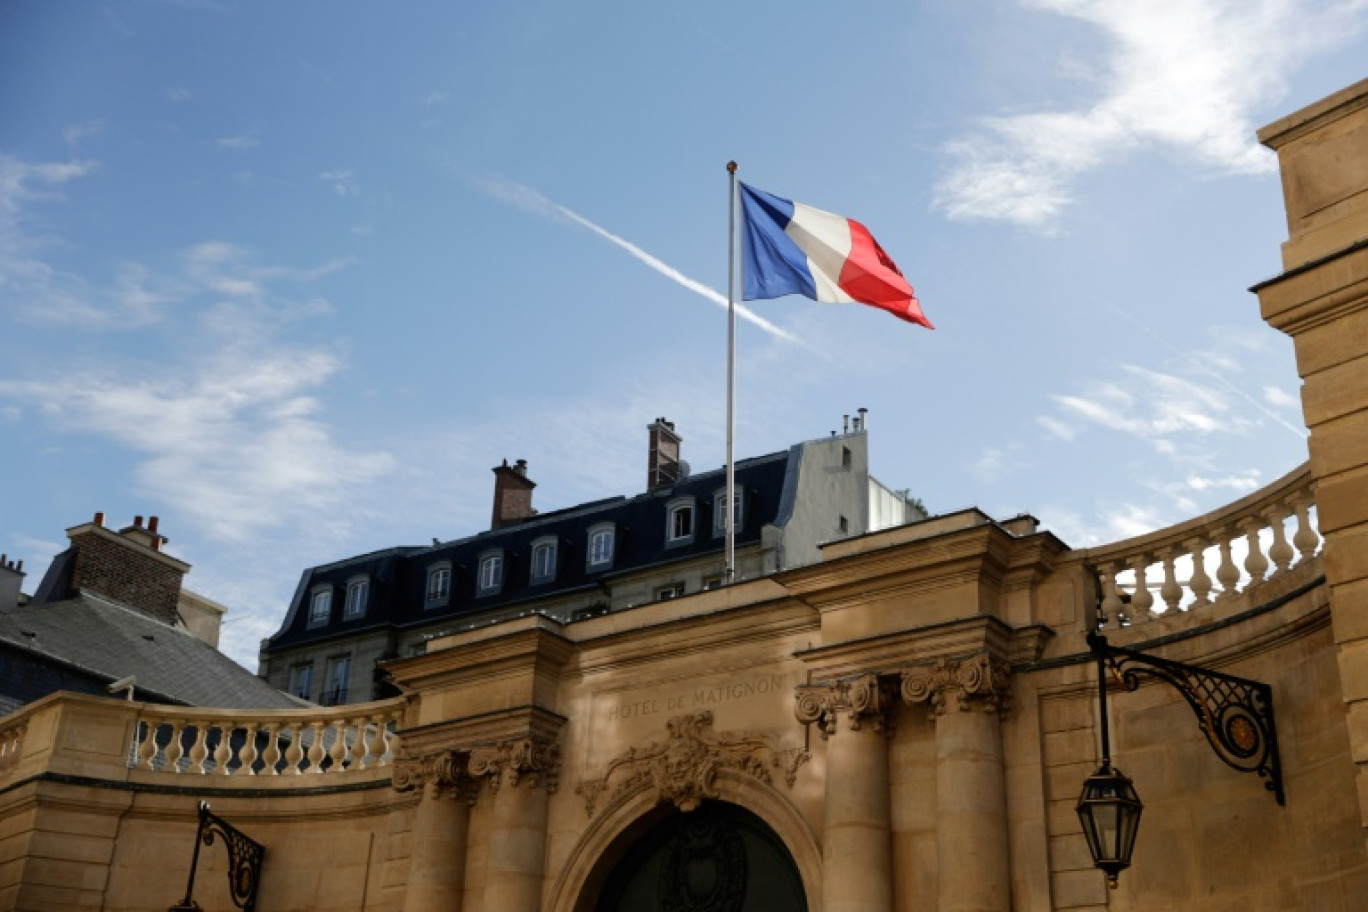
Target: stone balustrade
189,742
1209,559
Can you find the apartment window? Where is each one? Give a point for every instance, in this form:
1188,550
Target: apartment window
544,560
674,590
337,677
712,582
320,607
358,593
845,525
438,584
846,457
601,541
491,573
301,677
679,521
719,512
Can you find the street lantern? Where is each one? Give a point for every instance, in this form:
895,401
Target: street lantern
1109,810
1235,715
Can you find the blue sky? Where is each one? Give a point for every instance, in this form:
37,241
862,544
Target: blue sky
294,276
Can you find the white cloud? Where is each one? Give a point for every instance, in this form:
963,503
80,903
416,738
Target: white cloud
1057,428
240,141
77,132
343,182
1184,75
1280,398
178,94
434,97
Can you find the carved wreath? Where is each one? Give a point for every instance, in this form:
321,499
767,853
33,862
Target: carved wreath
683,769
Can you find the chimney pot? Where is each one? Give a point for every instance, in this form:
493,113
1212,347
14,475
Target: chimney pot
99,518
152,523
137,522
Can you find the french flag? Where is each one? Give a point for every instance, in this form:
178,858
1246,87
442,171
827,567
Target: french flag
789,248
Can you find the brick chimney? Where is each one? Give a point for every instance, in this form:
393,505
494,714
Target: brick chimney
662,458
128,566
11,582
512,494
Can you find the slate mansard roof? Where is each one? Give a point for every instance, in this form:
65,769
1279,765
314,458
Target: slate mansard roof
86,641
398,576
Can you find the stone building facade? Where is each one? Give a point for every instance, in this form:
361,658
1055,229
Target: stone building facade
904,725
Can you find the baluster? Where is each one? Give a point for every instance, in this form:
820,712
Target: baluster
359,748
200,749
1255,563
1280,552
316,751
247,755
295,753
271,758
1200,583
174,749
1305,538
339,746
1227,574
224,752
1171,592
147,751
1141,599
1112,605
391,739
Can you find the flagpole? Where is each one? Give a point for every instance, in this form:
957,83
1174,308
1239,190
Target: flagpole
730,506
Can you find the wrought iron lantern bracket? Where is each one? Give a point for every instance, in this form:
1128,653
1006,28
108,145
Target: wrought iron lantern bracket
244,861
1235,714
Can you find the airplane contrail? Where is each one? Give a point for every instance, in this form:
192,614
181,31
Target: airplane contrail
530,200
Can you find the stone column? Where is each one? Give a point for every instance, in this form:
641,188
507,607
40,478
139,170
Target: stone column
857,859
964,697
522,774
437,868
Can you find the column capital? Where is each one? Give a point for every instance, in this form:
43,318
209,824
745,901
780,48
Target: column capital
964,682
443,772
532,762
863,698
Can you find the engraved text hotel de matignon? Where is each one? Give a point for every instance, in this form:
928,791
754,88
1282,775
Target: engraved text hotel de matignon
697,698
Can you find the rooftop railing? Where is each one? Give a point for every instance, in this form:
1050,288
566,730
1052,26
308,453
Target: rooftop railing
1208,560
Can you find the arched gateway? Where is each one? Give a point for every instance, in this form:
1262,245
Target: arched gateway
716,858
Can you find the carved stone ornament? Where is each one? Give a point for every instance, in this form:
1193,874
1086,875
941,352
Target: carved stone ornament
976,680
683,769
435,774
864,698
519,761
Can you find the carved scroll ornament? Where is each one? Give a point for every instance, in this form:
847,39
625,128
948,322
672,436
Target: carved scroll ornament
976,680
520,761
683,768
435,774
864,698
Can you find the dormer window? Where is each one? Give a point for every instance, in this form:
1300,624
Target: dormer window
544,553
679,521
602,539
358,594
438,585
320,607
491,573
720,515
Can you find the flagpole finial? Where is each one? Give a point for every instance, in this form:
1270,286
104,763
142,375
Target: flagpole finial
731,167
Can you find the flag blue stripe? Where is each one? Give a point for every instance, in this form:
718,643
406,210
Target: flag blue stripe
772,265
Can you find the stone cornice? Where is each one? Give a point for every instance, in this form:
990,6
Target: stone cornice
443,772
535,649
484,729
981,633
